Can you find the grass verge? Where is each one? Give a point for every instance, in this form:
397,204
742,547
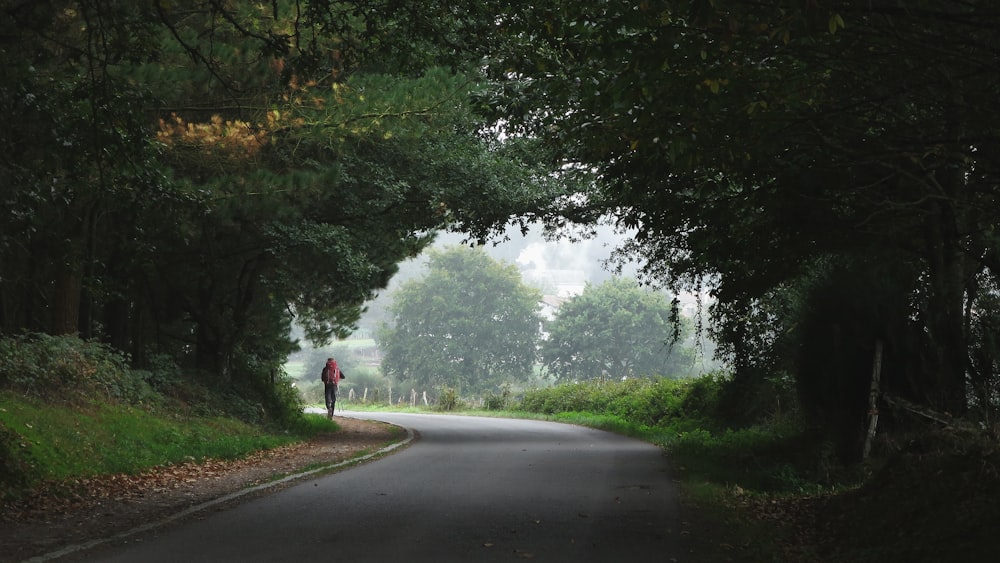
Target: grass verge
41,442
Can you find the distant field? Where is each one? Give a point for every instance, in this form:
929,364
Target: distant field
295,369
357,343
363,347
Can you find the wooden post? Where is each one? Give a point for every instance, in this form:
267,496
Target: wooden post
413,397
365,398
873,395
425,399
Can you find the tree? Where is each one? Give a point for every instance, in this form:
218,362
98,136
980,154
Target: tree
469,324
183,178
751,144
616,329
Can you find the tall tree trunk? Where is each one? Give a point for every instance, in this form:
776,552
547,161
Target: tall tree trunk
210,352
873,395
115,317
215,345
69,275
66,301
945,389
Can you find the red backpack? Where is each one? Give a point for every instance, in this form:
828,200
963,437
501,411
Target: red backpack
327,377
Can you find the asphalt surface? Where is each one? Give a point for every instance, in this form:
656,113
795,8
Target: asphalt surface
467,489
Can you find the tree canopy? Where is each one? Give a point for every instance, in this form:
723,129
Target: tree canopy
760,148
184,178
179,177
614,330
469,324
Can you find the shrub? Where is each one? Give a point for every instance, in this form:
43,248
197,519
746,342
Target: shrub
498,401
658,402
65,368
449,400
702,396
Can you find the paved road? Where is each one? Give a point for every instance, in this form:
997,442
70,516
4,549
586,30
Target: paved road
468,489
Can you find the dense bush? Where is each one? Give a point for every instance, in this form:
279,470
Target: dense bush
65,368
645,402
686,417
449,400
493,401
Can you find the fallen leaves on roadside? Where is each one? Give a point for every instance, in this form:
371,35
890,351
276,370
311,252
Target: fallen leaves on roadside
76,510
59,497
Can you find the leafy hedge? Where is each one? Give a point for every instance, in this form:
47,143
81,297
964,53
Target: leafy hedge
685,416
68,370
644,402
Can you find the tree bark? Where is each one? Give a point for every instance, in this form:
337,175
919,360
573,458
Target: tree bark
873,396
69,274
66,302
945,379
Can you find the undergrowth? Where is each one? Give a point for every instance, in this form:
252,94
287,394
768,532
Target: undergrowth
725,472
774,455
71,408
765,490
773,490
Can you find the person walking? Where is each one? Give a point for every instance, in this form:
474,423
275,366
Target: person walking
331,377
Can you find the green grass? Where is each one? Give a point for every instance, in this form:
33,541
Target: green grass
379,407
40,442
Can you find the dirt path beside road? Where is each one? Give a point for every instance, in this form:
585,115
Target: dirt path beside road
105,506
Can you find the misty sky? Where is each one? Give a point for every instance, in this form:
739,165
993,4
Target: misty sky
569,263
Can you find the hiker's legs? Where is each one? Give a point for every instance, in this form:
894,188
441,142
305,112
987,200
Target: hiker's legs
330,391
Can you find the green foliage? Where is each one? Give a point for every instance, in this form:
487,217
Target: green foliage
65,369
52,443
470,323
617,329
15,463
72,408
984,334
760,459
642,402
300,171
449,400
684,416
746,143
498,401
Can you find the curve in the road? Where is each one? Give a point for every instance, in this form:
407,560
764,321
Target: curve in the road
470,489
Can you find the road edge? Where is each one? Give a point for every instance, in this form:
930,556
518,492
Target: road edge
74,548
